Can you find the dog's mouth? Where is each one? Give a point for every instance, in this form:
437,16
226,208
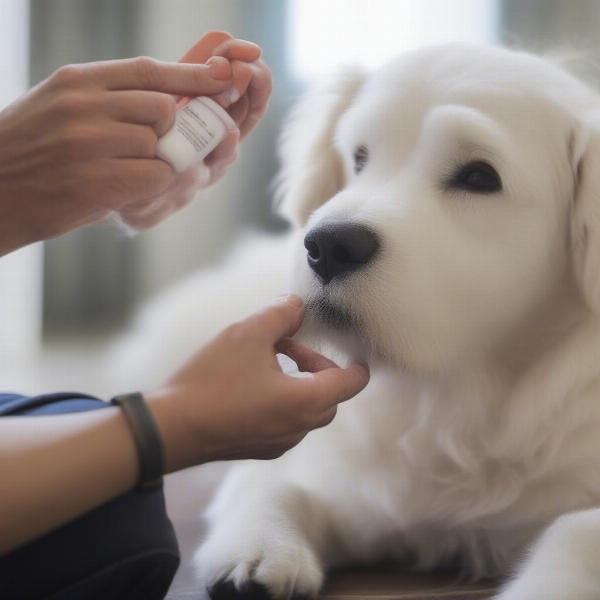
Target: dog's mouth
337,328
333,315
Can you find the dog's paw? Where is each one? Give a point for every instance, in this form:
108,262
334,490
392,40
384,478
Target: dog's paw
269,567
226,590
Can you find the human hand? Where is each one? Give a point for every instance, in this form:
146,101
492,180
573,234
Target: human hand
252,81
81,145
246,99
232,399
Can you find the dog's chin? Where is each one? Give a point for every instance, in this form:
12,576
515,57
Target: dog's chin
333,316
331,326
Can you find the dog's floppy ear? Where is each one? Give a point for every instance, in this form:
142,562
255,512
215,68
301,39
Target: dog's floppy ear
311,169
585,222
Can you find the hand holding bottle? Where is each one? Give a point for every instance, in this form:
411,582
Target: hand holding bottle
81,145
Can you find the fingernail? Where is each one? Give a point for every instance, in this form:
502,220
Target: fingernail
232,95
216,67
203,176
289,299
248,44
253,46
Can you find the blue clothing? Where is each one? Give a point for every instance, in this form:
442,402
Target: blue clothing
125,549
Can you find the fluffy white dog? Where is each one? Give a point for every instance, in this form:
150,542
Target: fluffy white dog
447,228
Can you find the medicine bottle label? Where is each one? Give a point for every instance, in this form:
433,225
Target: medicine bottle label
194,128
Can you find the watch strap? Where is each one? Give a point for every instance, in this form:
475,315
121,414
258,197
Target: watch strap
147,439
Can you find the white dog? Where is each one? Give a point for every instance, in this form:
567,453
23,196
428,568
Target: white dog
447,228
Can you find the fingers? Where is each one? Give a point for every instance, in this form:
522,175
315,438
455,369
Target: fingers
142,90
101,139
147,215
122,140
222,156
154,109
144,73
259,92
306,358
130,180
241,77
253,86
326,417
333,385
280,319
220,68
146,219
236,49
202,50
215,173
239,111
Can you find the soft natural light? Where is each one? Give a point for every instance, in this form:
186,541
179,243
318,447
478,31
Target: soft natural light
327,33
14,49
20,272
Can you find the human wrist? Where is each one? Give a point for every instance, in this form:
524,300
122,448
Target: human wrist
147,438
180,443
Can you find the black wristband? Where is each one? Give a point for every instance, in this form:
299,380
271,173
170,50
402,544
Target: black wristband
147,439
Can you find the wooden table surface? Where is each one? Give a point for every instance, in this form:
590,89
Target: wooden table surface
383,583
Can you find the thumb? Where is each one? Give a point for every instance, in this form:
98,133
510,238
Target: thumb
282,318
334,385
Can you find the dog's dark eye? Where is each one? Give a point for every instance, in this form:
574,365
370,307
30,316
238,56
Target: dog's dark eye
477,177
361,156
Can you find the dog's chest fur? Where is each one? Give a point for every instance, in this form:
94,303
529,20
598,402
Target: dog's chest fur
420,472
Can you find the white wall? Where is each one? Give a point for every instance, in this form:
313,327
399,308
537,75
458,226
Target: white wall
20,272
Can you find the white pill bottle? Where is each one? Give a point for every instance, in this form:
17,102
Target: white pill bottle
200,125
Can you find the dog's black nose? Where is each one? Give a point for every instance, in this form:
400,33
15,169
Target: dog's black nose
335,249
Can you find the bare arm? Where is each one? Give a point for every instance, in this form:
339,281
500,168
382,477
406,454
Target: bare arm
231,400
55,468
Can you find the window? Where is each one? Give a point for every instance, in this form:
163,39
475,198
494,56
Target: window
325,34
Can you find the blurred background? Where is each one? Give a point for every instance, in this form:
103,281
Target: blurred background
60,301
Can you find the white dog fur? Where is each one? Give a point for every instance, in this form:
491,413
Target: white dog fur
477,441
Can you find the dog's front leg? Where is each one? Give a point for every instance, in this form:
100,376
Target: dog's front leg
564,564
266,540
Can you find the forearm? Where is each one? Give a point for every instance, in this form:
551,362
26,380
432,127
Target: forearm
56,468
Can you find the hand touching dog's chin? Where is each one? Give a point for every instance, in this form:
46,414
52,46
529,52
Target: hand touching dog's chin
332,331
330,325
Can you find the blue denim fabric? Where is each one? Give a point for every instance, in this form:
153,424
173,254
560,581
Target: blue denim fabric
125,549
